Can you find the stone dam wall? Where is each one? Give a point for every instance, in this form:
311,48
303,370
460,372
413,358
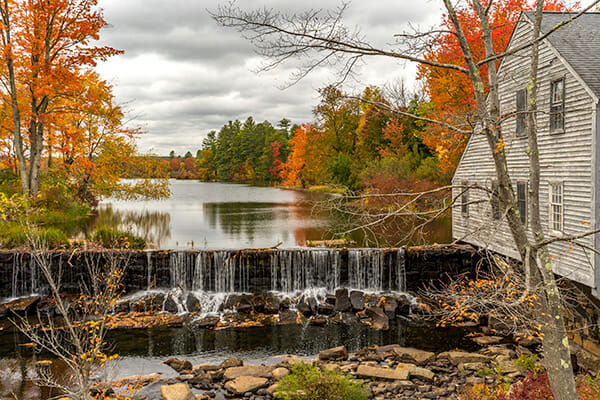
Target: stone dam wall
249,270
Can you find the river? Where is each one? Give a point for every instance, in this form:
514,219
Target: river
225,215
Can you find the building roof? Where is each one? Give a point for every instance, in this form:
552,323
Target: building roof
578,42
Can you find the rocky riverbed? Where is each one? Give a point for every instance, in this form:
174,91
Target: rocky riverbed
390,372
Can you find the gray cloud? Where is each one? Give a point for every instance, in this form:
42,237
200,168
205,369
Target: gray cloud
183,75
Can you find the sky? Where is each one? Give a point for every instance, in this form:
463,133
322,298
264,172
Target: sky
182,75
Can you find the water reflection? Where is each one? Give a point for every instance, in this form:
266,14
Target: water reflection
222,215
154,226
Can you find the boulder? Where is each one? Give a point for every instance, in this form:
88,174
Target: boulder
231,362
205,367
170,305
304,309
461,357
382,373
192,304
345,319
245,384
336,354
416,372
325,309
179,391
379,320
413,356
342,301
357,300
178,364
19,306
330,299
390,305
317,321
404,304
208,322
259,371
279,373
487,340
288,316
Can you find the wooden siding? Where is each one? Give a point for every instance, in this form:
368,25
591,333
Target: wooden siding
564,157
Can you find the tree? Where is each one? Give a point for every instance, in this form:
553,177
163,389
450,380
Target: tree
172,155
323,39
46,45
451,92
75,333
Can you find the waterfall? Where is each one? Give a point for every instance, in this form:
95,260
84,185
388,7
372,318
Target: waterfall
287,270
232,271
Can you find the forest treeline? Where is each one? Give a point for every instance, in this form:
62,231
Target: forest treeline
353,143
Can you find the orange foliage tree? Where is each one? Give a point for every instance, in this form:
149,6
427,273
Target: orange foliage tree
306,163
450,91
46,48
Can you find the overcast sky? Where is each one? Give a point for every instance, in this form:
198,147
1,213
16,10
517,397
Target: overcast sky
182,75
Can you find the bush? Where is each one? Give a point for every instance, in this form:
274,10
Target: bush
309,382
112,238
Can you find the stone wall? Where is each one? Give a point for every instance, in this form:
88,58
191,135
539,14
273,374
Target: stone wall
254,268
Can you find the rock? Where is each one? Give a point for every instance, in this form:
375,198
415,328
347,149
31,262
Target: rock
279,373
382,373
330,299
290,360
342,302
208,322
288,316
304,309
192,304
461,357
379,320
318,321
325,309
206,367
271,390
357,300
136,381
413,356
245,384
474,367
259,371
18,306
390,305
179,391
170,305
244,308
500,350
487,340
404,304
417,372
345,319
231,362
336,354
178,364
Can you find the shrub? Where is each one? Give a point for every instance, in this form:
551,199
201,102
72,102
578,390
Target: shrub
112,238
309,382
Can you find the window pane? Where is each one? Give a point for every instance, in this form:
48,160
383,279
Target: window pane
522,201
464,207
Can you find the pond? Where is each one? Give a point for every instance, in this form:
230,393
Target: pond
224,215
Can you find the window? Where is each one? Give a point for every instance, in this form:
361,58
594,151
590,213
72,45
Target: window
557,105
495,200
522,201
556,206
464,199
521,112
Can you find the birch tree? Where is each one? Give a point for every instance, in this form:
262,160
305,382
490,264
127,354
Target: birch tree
321,39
